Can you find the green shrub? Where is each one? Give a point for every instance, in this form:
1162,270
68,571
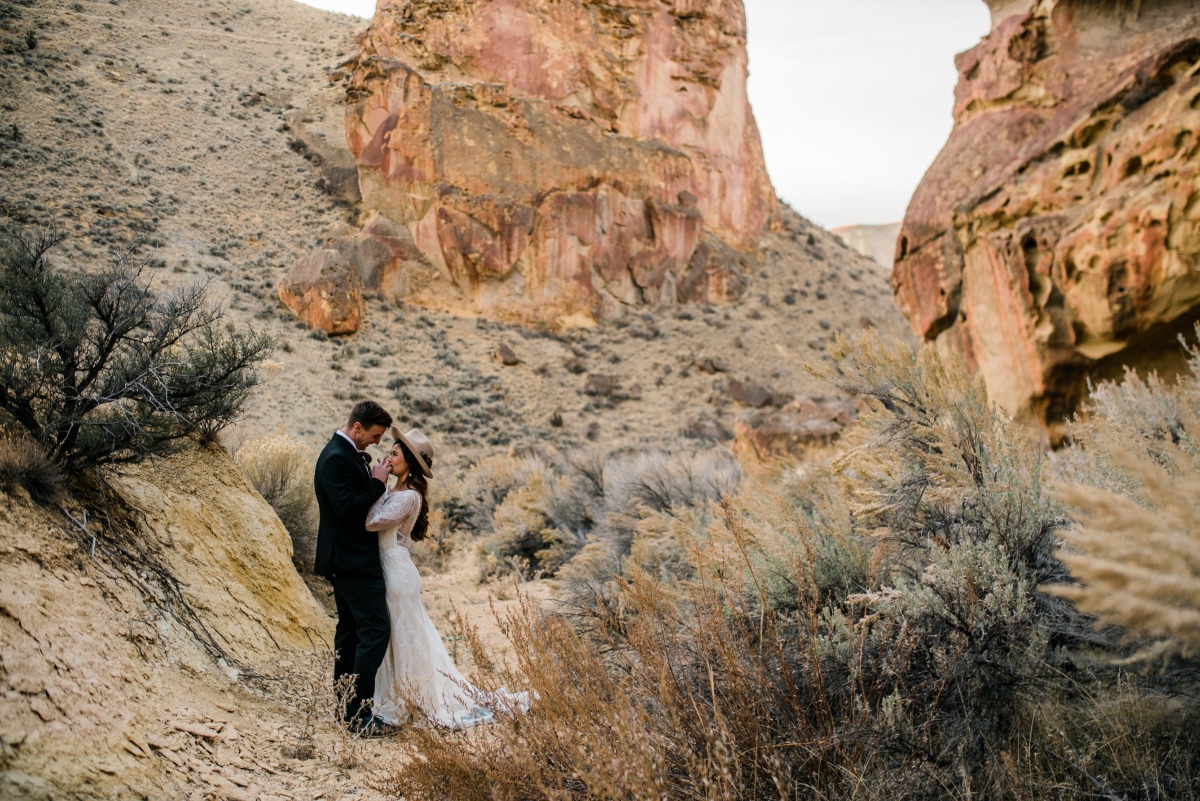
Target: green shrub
98,368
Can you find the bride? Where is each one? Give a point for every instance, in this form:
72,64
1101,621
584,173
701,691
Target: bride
416,665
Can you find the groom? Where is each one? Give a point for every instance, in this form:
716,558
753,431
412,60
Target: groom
348,555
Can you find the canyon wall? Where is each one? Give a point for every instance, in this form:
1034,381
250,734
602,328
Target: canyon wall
555,162
1057,235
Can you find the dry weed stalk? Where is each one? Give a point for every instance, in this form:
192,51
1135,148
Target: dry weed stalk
1138,563
280,467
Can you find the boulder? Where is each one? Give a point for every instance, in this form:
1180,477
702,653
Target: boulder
599,386
506,356
1057,235
706,428
325,291
555,162
754,395
788,432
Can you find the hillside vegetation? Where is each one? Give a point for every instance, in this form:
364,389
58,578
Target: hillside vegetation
890,626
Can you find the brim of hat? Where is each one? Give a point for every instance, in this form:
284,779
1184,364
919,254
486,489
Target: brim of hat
399,437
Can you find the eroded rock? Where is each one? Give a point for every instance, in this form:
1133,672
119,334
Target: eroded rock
556,161
787,432
325,291
1058,232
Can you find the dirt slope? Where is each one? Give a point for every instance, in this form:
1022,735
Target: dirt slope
179,123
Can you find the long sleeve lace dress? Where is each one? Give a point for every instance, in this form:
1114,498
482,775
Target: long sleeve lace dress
416,663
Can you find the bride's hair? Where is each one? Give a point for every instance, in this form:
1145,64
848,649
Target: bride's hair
417,481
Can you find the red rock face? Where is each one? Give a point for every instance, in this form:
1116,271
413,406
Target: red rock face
557,161
323,290
1058,231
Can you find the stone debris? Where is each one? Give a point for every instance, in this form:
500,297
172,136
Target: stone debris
506,356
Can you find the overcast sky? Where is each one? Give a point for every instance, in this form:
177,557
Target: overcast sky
853,97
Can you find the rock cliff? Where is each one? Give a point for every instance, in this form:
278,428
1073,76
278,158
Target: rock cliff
552,162
1057,234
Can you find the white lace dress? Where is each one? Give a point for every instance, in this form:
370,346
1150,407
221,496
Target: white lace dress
417,664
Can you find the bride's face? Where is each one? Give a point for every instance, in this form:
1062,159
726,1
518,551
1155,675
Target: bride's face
398,466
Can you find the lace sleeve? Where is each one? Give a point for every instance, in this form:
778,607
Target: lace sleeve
394,508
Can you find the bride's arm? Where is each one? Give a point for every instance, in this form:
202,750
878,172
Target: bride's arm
392,509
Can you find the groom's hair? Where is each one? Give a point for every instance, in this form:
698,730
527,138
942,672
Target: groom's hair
369,413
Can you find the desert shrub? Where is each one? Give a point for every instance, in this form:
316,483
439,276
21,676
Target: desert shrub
872,630
97,367
580,500
470,502
280,467
24,464
662,480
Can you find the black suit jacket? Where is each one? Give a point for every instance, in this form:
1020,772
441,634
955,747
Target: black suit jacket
345,492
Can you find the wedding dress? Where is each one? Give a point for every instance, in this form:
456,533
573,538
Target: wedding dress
417,664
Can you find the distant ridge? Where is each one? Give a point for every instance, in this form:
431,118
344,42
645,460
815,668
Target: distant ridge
876,242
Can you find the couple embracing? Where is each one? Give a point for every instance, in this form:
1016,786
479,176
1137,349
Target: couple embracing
384,637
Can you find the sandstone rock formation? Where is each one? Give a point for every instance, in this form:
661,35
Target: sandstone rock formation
90,671
556,161
325,291
1058,232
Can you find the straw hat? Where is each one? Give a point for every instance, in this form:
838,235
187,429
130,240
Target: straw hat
420,445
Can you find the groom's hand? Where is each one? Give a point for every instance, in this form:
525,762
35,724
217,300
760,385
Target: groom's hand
381,471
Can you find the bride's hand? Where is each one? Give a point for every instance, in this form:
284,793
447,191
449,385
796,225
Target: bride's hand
382,471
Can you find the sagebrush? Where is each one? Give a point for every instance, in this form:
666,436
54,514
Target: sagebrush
281,467
877,629
97,367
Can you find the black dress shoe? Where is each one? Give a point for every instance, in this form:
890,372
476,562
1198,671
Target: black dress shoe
374,729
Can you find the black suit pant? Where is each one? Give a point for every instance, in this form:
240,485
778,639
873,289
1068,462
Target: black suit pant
360,640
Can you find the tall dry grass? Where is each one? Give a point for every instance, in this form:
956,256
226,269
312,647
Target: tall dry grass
24,464
280,467
1135,553
870,630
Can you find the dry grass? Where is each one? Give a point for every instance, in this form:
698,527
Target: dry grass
1138,566
280,467
1135,553
24,464
871,632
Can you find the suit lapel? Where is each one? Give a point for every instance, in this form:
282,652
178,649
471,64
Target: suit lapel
350,446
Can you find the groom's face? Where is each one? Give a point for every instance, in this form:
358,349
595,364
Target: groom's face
366,436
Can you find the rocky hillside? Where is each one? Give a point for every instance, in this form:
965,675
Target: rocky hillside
1056,235
211,134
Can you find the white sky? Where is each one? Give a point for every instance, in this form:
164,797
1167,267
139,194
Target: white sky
852,97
